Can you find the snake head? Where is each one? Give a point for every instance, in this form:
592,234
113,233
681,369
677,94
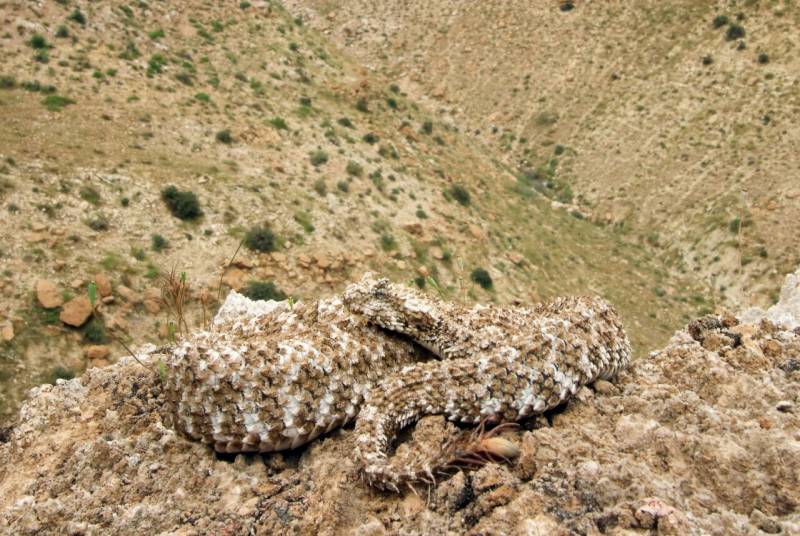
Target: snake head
377,299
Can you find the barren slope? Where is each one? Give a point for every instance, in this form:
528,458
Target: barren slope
268,124
676,130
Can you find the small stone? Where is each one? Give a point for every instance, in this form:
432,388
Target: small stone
476,232
76,311
7,332
771,348
516,258
413,229
103,285
605,387
784,406
128,295
108,300
234,278
423,271
97,351
437,253
47,294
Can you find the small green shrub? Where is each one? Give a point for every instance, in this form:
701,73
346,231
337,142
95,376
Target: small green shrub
156,34
263,290
62,32
202,97
763,58
388,242
156,64
55,103
427,127
59,373
720,21
460,194
345,122
77,16
224,136
183,205
419,281
279,123
482,278
261,238
343,186
95,331
354,168
735,31
38,42
708,60
320,187
158,243
7,81
98,223
304,219
370,138
318,157
90,195
362,105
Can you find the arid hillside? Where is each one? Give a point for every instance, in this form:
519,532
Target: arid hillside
673,122
266,131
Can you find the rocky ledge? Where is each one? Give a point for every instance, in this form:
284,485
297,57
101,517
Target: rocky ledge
700,437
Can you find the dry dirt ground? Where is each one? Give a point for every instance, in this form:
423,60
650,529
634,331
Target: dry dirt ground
677,119
702,437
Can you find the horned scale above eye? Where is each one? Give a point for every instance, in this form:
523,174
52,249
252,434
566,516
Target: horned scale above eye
244,386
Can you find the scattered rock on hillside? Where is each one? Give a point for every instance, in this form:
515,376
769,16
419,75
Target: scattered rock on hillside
97,351
76,311
103,285
48,295
7,332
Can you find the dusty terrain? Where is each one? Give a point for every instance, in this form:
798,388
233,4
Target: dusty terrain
675,129
698,438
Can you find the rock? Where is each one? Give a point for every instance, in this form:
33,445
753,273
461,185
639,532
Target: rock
476,232
423,271
605,387
656,513
235,278
437,253
76,311
129,295
7,332
413,228
373,527
48,295
103,285
152,300
97,351
541,525
516,258
785,406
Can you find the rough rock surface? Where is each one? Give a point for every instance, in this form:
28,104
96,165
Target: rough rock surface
701,437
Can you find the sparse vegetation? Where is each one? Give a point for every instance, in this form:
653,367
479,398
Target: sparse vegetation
263,290
224,136
354,168
261,238
720,21
55,103
304,219
460,194
183,205
279,123
158,243
482,278
318,158
734,32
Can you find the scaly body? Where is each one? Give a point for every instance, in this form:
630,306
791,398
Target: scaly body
502,364
279,379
